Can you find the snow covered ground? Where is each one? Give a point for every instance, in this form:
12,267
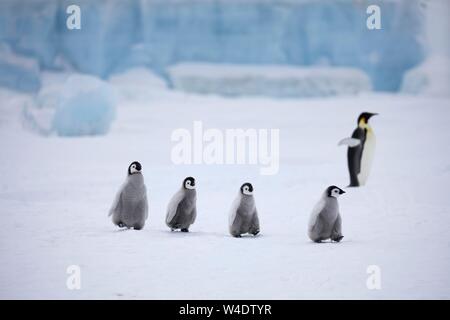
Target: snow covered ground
55,194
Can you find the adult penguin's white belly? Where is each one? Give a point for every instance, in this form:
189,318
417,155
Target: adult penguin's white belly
367,157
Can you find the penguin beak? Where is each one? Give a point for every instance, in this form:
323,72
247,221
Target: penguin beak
341,191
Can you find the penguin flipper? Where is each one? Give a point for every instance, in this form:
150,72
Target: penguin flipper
194,214
315,223
233,210
254,227
144,198
350,142
236,225
173,206
316,231
317,210
117,199
179,219
116,212
336,234
116,203
354,156
142,210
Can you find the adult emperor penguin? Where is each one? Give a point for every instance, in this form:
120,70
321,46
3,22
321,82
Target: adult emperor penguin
325,221
130,207
243,216
361,149
182,208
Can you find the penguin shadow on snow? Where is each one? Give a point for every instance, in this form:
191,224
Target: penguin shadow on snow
108,230
325,242
246,236
124,230
191,234
146,231
332,245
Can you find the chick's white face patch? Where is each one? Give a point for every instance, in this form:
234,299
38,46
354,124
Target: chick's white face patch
188,185
133,169
335,193
246,190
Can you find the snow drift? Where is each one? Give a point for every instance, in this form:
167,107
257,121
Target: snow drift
278,81
137,84
87,107
430,78
78,106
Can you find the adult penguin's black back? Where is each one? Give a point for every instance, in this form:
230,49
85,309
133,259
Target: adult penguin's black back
361,150
354,155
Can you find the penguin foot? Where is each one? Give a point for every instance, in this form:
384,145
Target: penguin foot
337,239
237,236
121,225
318,241
137,227
255,233
185,230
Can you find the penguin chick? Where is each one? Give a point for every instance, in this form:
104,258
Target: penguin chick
325,221
243,215
361,149
182,208
130,207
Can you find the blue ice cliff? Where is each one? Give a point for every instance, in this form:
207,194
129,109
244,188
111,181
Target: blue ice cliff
116,35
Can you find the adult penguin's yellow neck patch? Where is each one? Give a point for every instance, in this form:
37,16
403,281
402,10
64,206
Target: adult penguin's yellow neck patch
362,123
